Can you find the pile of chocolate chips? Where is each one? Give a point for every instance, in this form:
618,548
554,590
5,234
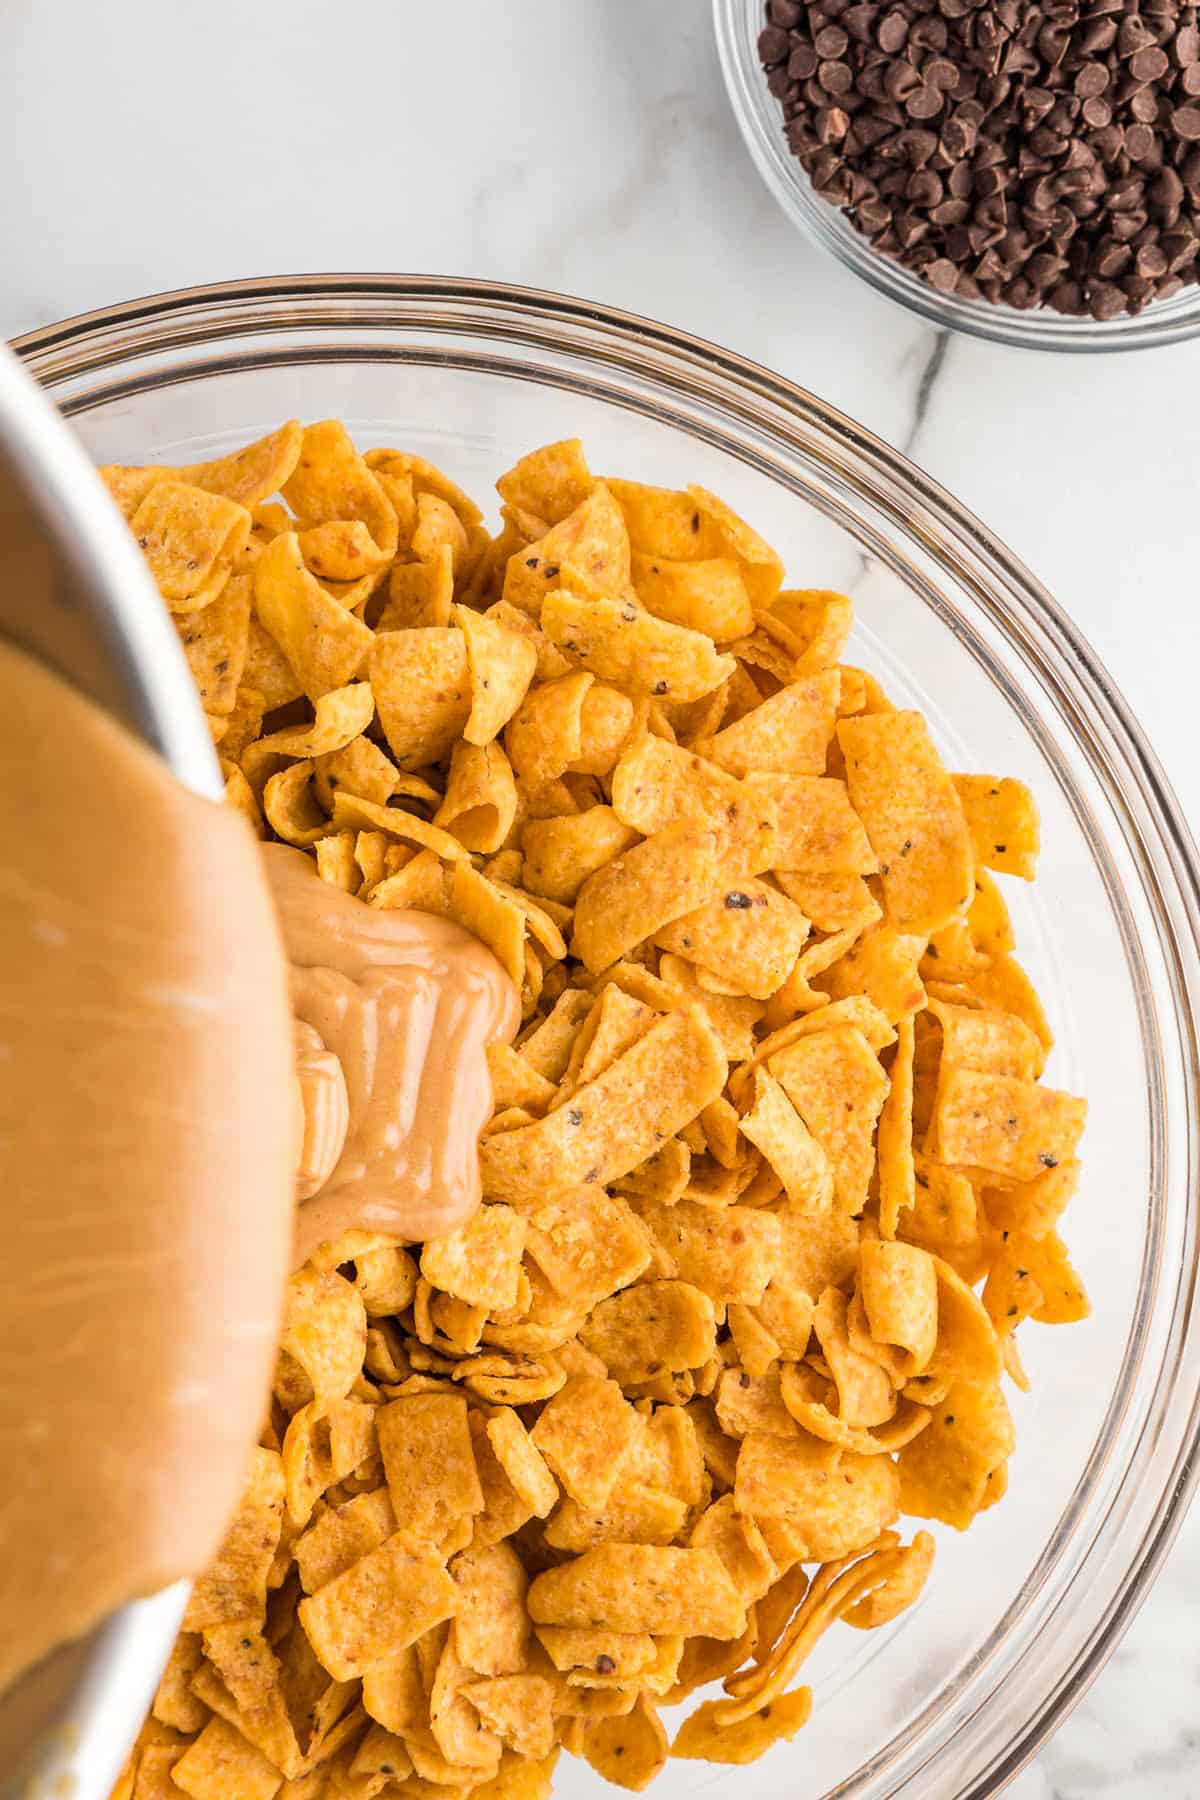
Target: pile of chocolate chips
1029,154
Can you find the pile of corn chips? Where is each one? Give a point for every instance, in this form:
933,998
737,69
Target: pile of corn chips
648,1422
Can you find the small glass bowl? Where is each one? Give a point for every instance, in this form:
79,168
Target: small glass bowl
760,117
1020,1613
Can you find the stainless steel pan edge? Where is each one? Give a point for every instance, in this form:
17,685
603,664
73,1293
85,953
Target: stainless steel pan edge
75,593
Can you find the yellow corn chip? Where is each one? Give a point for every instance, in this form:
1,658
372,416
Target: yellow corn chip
614,1025
762,570
605,724
518,1709
394,1694
774,1125
819,832
740,1545
864,1388
789,1478
612,1654
587,1244
614,1123
702,1737
636,1515
967,1347
501,663
834,903
1033,1207
894,1148
654,1326
1003,821
324,1335
504,1511
988,1042
751,933
817,624
834,1081
522,1462
420,594
423,478
215,641
325,646
341,1536
584,1433
789,734
291,807
222,1763
422,690
517,1779
664,522
336,862
491,1626
551,481
560,854
1009,1127
657,784
331,483
377,1607
248,476
545,735
341,716
628,1751
618,641
746,1403
234,1586
174,1702
637,1587
946,1472
255,472
190,540
914,819
882,965
438,528
674,872
421,1432
267,672
730,1252
480,1261
757,1348
707,596
587,550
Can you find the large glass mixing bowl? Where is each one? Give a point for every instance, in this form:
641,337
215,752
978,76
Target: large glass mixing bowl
1021,1613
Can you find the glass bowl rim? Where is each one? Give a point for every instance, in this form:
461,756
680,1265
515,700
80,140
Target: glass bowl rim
921,511
761,125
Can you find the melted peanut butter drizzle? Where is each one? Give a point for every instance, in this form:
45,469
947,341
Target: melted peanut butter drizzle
145,1182
394,1013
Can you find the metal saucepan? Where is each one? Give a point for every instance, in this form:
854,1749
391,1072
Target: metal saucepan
75,593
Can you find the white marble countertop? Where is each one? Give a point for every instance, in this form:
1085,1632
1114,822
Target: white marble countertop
586,145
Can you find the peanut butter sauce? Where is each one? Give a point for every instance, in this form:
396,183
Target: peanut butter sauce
401,1006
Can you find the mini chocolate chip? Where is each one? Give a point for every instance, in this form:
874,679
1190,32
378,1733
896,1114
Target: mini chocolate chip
892,34
831,42
1091,80
942,275
926,103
